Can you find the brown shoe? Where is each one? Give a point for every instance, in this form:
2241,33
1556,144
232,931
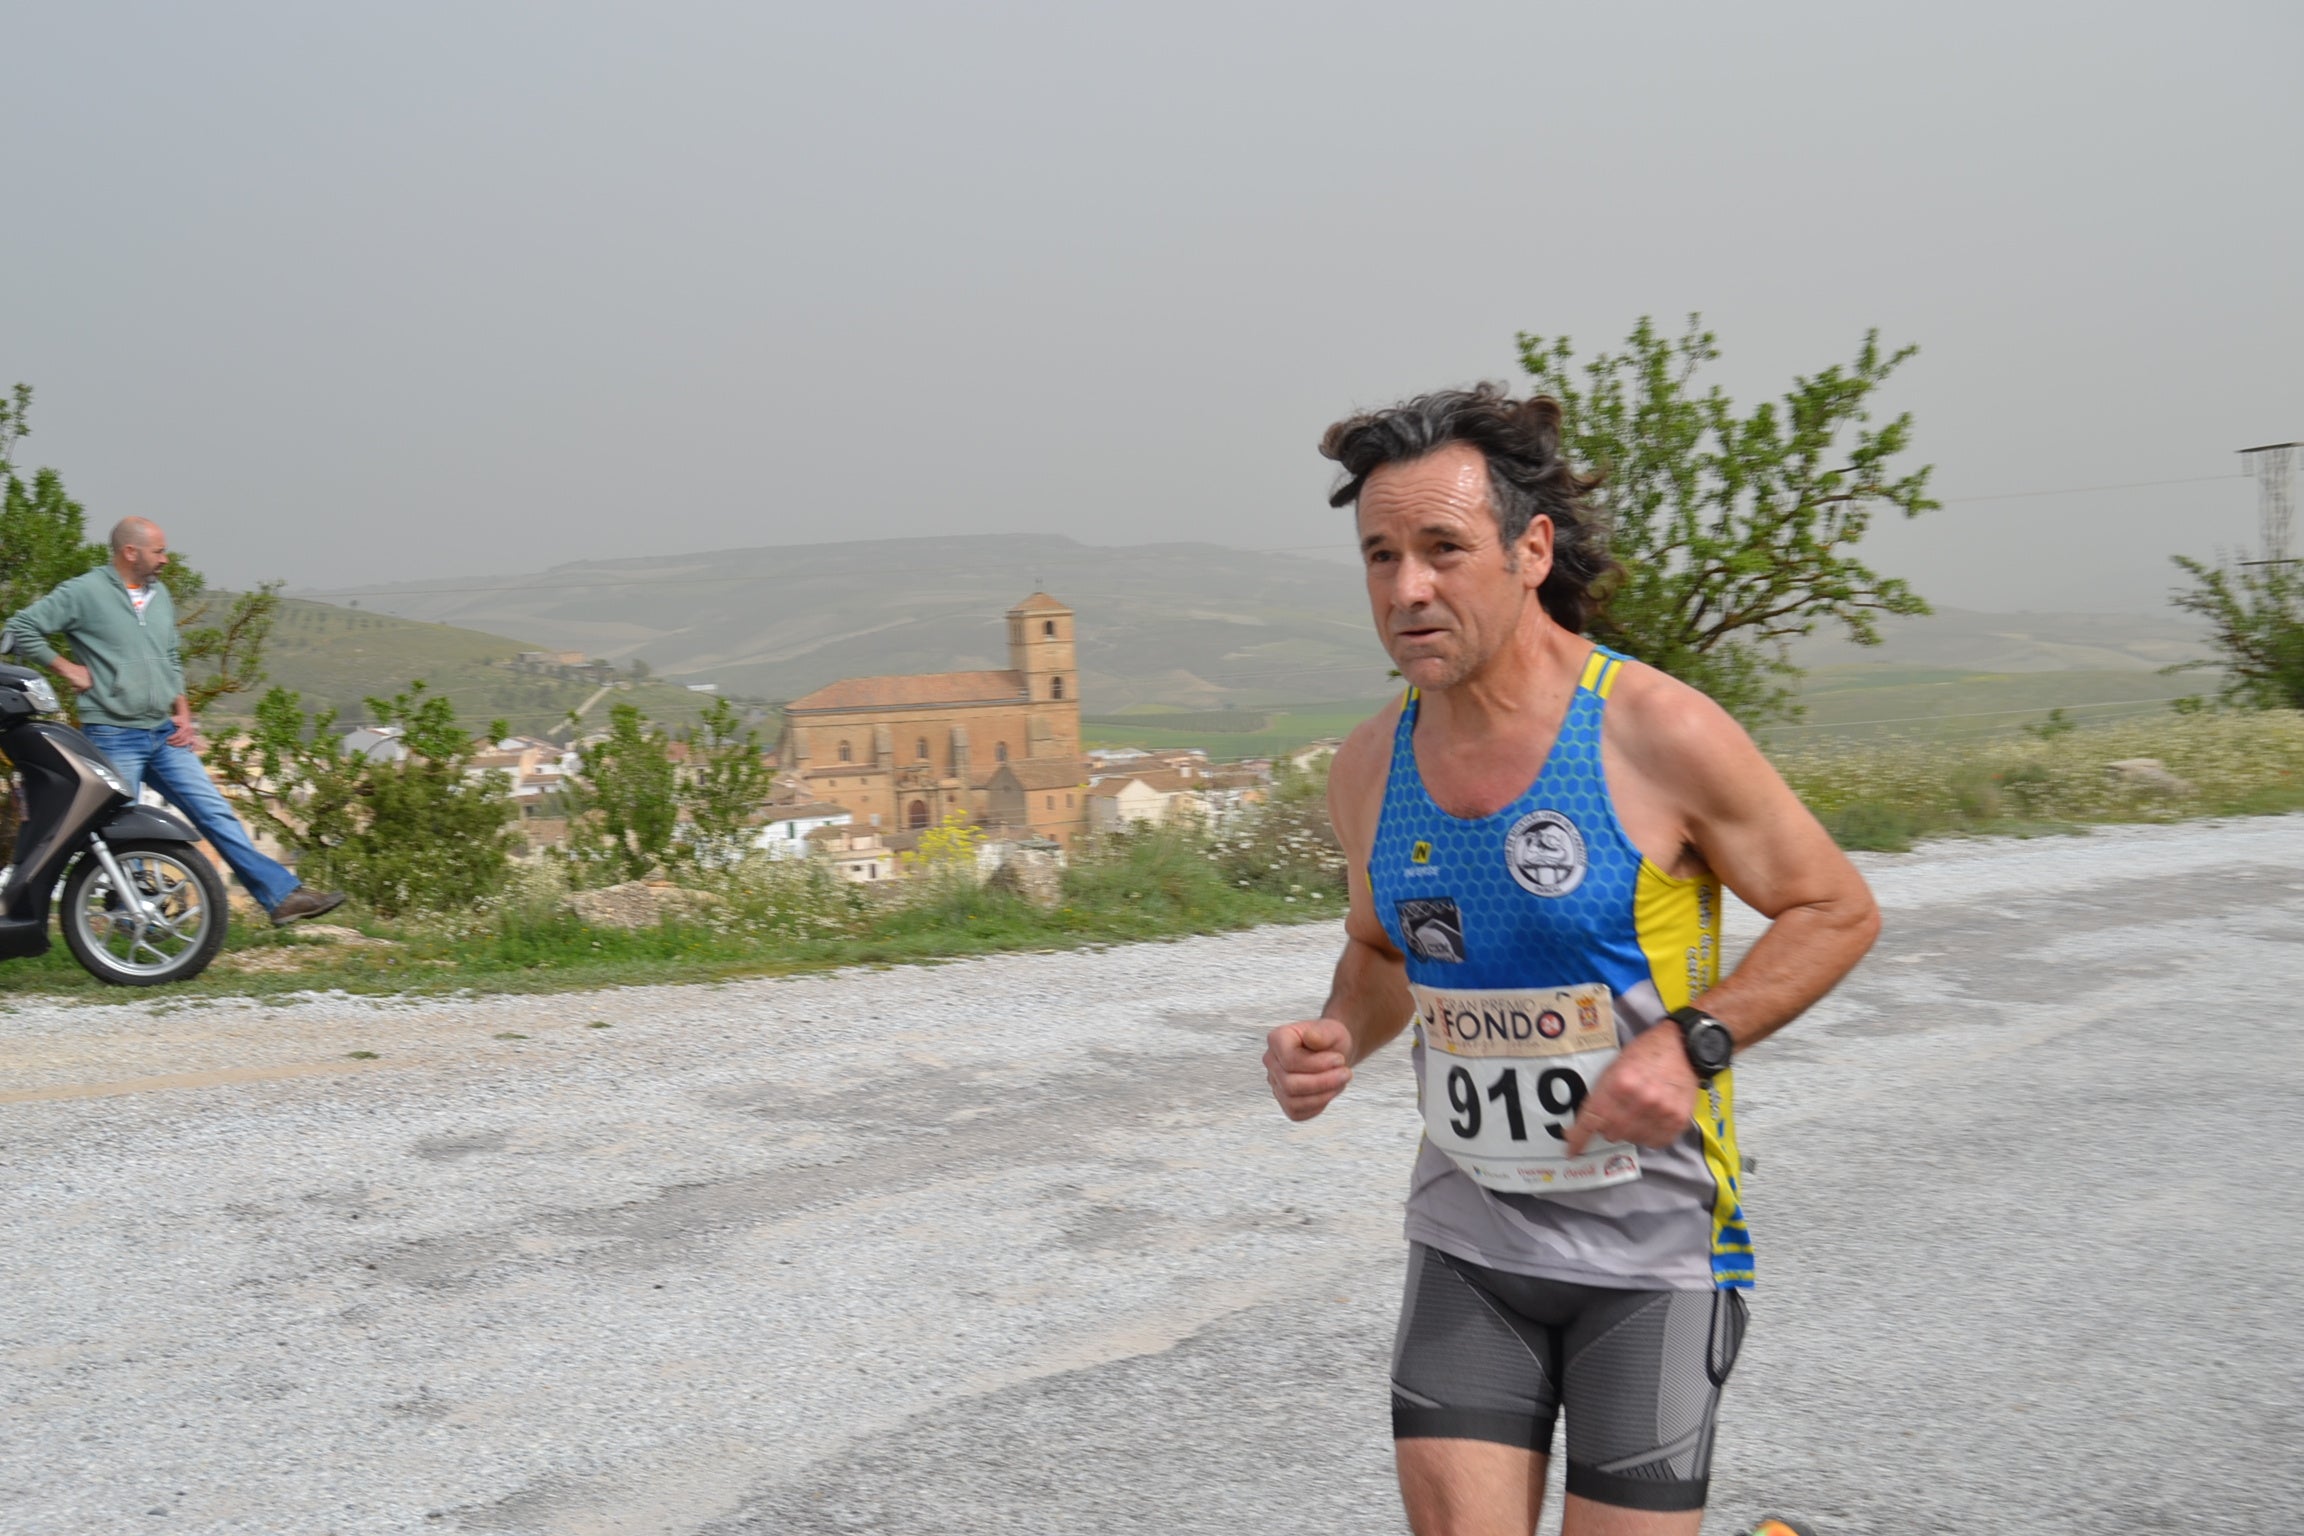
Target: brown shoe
304,902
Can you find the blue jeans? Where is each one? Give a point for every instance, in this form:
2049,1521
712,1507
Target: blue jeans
142,752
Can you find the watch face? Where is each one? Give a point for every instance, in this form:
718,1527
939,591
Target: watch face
1710,1045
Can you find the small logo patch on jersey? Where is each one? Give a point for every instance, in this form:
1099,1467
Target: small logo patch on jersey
1433,928
1421,853
1545,853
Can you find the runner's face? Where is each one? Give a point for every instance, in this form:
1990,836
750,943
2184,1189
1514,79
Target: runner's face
1444,596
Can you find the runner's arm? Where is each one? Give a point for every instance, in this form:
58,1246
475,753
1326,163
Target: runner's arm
1738,816
1752,831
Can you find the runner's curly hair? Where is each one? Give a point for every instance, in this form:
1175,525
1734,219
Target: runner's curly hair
1527,476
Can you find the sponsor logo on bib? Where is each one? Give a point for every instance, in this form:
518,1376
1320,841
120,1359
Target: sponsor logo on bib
1545,853
1434,928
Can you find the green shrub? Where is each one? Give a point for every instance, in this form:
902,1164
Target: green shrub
1156,875
1284,846
425,834
789,900
1873,825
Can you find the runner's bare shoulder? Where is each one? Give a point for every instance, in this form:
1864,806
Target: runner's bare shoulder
1675,735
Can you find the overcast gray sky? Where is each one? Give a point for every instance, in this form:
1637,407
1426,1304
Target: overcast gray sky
358,292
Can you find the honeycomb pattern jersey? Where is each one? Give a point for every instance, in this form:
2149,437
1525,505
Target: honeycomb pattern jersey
1549,892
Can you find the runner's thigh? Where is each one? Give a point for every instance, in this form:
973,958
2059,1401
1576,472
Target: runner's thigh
1642,1385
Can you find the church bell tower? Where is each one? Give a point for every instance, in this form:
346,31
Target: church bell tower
1040,647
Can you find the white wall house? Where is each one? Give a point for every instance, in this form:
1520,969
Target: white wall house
784,834
1157,797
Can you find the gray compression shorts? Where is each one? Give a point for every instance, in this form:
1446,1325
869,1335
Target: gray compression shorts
1487,1355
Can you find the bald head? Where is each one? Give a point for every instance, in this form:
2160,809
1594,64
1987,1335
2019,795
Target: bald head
139,549
136,533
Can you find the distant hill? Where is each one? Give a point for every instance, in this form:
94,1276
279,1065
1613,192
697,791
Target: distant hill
1164,628
1184,626
339,656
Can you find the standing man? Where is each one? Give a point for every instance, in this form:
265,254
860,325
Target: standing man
1537,835
132,702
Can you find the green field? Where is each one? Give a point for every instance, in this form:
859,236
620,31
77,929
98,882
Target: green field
1862,703
339,656
1278,729
1877,703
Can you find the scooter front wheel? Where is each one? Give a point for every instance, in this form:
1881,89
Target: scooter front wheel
169,932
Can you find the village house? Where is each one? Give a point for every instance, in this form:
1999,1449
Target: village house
784,829
377,743
1156,796
1234,788
537,770
902,753
856,854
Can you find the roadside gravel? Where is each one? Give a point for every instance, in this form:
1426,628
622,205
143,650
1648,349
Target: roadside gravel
1019,1245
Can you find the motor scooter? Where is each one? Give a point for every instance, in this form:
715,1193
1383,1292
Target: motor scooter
141,905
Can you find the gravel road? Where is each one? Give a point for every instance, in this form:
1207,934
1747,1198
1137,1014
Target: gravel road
1019,1245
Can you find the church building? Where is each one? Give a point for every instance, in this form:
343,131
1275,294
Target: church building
902,753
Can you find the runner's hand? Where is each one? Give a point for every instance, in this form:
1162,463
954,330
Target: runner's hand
72,672
1308,1064
1647,1096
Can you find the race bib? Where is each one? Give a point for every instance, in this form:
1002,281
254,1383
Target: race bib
1504,1073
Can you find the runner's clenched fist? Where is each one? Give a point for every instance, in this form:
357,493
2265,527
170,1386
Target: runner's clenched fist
1308,1064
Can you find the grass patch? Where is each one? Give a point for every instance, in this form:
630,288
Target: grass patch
1887,795
778,920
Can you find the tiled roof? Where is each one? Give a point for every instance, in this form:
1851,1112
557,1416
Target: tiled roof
1041,773
1166,780
1039,602
1005,687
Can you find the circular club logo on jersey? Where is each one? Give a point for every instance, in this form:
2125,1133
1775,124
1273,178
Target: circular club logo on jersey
1545,853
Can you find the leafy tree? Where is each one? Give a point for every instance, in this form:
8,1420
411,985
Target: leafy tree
223,652
1735,530
44,540
289,774
2256,619
43,531
426,833
624,807
726,783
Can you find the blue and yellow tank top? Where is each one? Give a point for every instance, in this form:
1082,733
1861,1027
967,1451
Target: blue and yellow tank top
1549,892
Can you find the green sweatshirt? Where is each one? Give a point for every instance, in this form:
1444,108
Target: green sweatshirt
132,656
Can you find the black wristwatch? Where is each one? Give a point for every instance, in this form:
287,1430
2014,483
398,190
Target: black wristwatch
1706,1040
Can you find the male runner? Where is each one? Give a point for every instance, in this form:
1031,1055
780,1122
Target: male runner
1537,834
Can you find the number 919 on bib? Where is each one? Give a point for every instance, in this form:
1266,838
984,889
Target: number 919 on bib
1504,1074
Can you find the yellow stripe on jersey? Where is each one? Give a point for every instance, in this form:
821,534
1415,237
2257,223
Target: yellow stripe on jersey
1608,678
1593,665
1678,924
